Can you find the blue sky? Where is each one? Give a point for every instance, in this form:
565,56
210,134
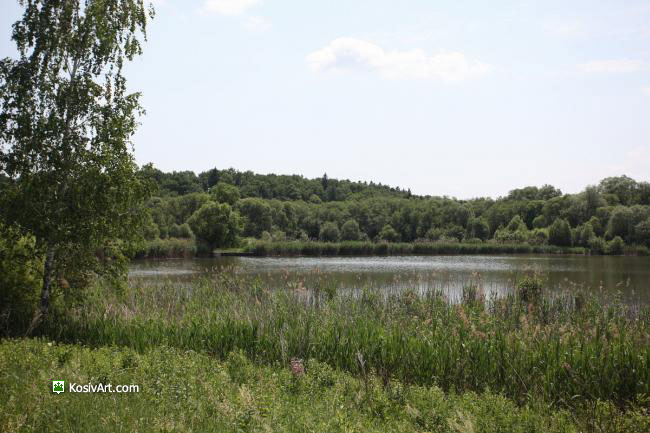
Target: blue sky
460,98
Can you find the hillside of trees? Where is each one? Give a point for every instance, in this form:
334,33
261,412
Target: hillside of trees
218,207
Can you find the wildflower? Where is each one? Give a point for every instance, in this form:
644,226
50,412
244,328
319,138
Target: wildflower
297,367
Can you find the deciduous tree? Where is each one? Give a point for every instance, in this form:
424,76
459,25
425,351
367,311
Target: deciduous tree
66,120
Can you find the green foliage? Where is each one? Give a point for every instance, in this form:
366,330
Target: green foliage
597,245
257,216
412,218
539,222
559,233
350,231
66,121
215,225
620,223
478,228
225,193
584,235
186,391
182,231
622,189
21,269
642,232
166,249
615,246
516,224
151,230
388,233
329,232
538,237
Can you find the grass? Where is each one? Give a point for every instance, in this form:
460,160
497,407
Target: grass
562,349
184,248
311,248
185,391
167,249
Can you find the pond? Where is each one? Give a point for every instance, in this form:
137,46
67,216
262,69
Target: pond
605,276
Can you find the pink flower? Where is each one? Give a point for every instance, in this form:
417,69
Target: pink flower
297,367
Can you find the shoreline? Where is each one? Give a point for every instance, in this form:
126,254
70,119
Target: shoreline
186,248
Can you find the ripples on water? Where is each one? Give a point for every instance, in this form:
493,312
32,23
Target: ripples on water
627,276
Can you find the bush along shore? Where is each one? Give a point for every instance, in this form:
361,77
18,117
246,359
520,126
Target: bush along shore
351,248
186,248
565,350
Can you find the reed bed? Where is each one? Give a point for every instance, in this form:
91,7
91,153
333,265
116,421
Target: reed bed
300,248
167,249
564,348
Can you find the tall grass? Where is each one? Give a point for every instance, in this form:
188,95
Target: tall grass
167,249
186,391
300,248
563,349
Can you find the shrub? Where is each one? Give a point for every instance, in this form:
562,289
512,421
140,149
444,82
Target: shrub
20,276
584,234
433,234
516,224
350,231
642,232
389,234
329,232
597,245
538,237
478,228
539,222
615,246
560,233
215,225
620,223
182,231
225,193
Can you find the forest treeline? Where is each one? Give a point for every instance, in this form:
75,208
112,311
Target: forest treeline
217,207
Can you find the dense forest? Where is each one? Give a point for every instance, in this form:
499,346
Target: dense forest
218,207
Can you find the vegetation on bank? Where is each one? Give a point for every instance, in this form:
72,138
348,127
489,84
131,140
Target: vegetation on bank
563,349
185,391
610,218
298,248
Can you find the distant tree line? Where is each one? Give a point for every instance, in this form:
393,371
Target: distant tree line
604,218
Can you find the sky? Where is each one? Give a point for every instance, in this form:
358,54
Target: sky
455,97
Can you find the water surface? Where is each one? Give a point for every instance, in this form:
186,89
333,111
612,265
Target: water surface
628,277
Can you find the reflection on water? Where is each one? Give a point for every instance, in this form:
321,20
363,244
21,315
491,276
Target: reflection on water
494,274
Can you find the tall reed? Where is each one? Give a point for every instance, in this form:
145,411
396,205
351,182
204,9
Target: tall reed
350,248
560,348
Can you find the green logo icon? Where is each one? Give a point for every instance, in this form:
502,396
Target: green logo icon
58,386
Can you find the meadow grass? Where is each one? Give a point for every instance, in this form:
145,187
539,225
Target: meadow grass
562,349
186,391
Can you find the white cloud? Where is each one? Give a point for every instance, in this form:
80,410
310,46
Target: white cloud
613,66
646,90
349,53
228,7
